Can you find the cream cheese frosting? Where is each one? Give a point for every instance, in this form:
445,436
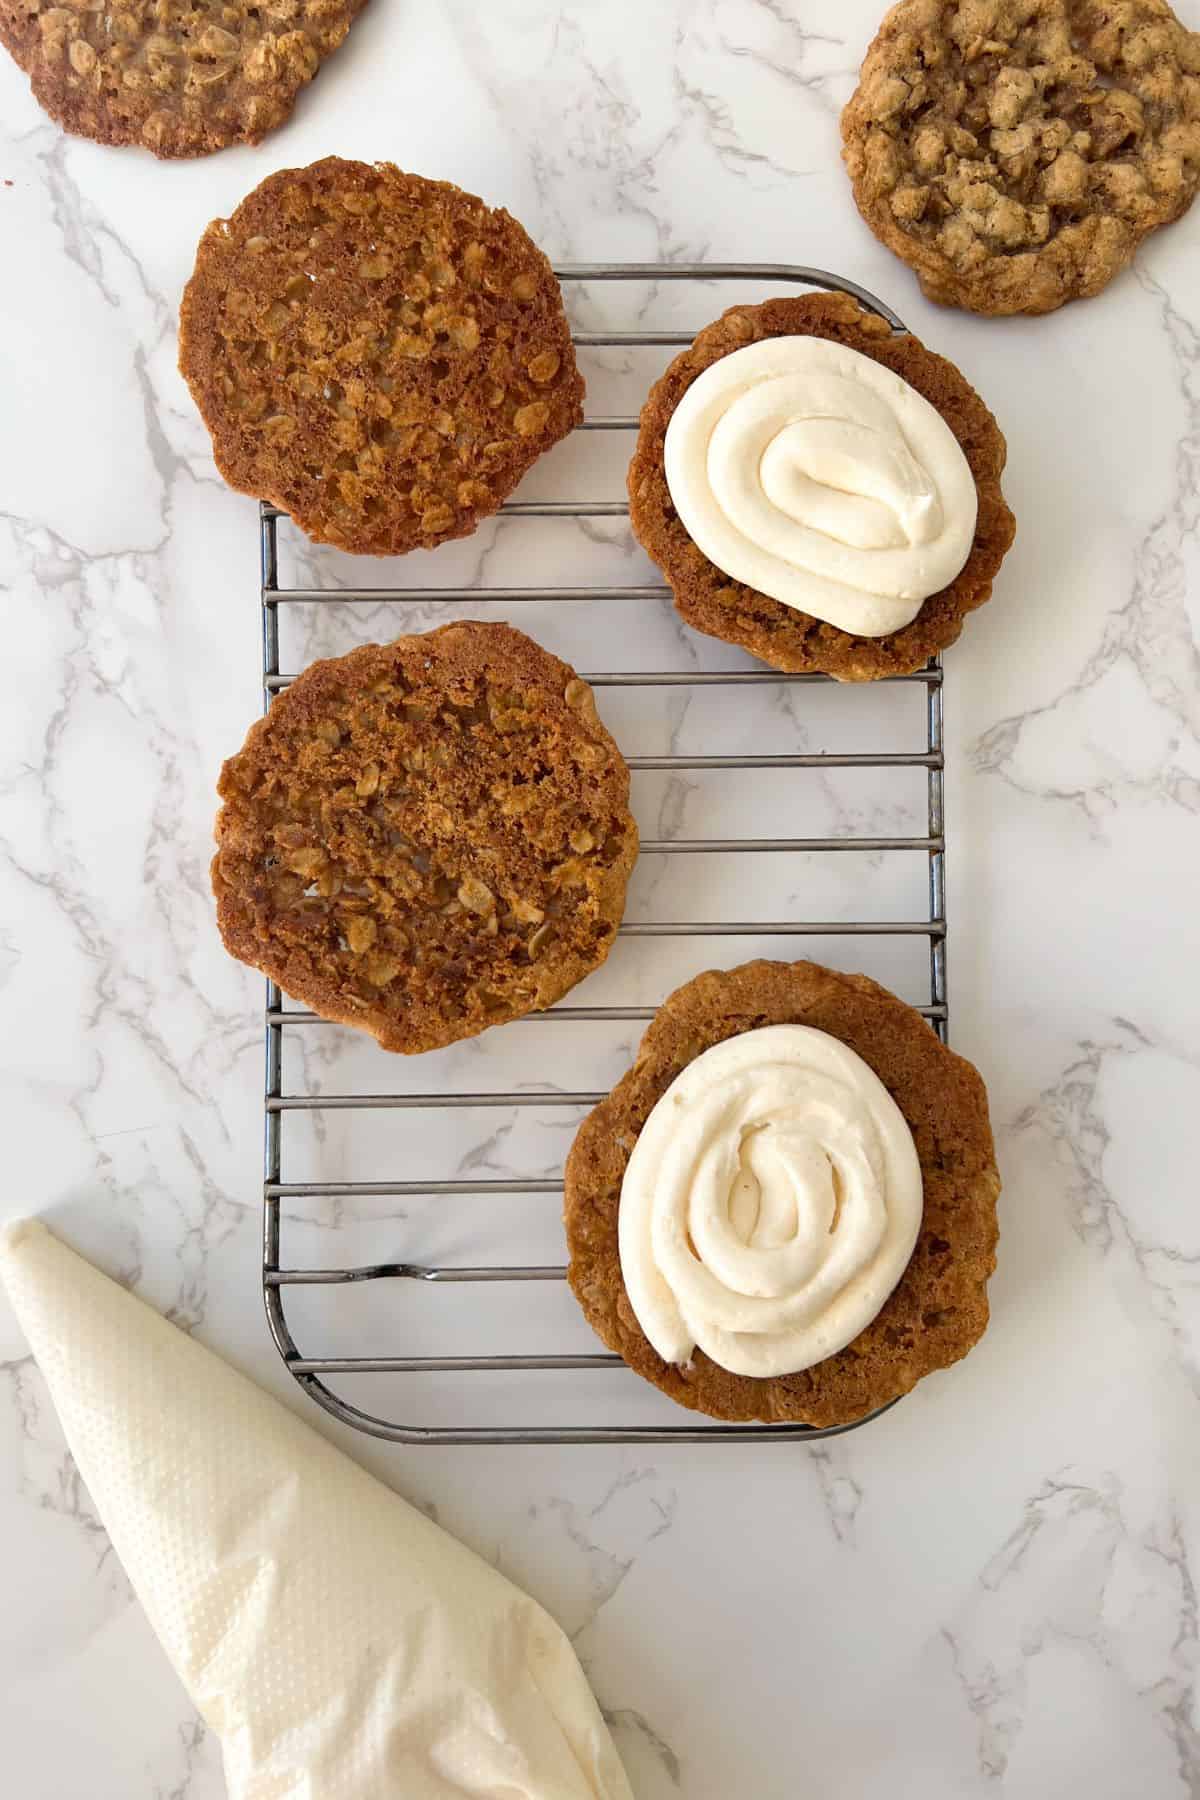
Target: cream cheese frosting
770,1205
818,476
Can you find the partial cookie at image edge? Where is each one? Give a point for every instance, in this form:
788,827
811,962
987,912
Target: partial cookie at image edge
180,86
1018,172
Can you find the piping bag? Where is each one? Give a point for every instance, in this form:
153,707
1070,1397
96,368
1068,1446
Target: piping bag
340,1644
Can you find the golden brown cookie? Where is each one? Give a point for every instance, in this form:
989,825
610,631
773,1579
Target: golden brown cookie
428,837
787,639
939,1309
381,355
179,77
1016,152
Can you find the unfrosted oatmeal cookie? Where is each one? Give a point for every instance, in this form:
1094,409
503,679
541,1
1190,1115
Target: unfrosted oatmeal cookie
179,77
428,837
381,355
1016,152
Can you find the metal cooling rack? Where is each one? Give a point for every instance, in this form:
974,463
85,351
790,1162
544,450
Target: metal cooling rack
311,1371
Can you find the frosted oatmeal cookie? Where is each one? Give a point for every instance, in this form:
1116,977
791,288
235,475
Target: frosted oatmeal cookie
427,837
179,77
786,1210
382,356
1016,152
821,490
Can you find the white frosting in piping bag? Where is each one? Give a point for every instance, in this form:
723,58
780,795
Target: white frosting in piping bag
770,1205
819,477
339,1643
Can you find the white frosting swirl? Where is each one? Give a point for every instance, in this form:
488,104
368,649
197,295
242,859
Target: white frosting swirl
814,474
770,1205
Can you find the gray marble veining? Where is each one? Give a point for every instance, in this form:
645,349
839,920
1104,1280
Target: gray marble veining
991,1591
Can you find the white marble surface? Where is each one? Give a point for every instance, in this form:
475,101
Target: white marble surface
993,1590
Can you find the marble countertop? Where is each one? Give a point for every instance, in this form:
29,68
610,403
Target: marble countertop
990,1591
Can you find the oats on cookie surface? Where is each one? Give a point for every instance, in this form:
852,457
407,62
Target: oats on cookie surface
381,355
179,77
426,838
1016,152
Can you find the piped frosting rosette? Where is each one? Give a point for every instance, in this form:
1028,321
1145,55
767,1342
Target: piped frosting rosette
815,475
770,1205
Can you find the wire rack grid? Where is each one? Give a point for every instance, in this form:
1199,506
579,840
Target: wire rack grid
313,1373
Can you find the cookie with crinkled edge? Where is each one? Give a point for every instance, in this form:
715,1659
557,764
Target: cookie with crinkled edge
382,356
788,639
1016,152
428,837
174,76
939,1308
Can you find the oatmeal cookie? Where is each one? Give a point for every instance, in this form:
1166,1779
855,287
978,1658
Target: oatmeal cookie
179,77
382,356
787,639
938,1310
1016,152
428,837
